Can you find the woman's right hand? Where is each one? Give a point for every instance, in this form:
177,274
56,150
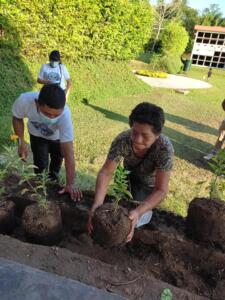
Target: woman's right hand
90,216
89,224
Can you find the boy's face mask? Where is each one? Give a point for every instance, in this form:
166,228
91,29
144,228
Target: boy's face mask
54,64
46,120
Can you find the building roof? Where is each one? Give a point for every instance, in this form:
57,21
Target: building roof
210,28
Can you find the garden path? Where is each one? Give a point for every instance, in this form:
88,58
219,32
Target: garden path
176,82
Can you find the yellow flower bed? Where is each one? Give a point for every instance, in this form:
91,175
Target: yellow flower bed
152,74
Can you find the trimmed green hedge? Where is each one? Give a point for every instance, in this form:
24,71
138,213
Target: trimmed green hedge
112,29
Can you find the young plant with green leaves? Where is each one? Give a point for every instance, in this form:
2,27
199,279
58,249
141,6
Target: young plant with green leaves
217,184
30,182
9,161
36,185
119,189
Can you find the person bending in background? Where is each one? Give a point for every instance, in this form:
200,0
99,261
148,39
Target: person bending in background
220,138
51,132
148,155
55,73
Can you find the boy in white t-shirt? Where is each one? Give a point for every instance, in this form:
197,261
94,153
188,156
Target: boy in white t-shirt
55,73
51,133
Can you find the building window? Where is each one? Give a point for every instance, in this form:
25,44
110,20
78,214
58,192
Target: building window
215,35
207,34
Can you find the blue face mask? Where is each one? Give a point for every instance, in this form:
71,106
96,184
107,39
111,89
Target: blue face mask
54,64
48,121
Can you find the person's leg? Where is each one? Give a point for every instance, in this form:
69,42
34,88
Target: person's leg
221,137
219,142
39,147
56,159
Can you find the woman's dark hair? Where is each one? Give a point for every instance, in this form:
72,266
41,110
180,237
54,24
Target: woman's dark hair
223,104
150,114
54,56
53,96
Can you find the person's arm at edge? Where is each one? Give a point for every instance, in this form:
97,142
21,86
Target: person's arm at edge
68,154
153,200
102,182
68,87
43,81
40,78
18,126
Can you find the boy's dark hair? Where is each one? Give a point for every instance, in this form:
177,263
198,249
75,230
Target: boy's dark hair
54,56
53,96
223,104
149,113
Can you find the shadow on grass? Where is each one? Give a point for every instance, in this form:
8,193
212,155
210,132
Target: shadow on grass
15,76
189,148
107,113
186,147
194,126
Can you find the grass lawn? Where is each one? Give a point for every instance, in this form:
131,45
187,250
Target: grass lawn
191,124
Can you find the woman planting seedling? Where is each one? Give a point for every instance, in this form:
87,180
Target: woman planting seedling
148,155
111,221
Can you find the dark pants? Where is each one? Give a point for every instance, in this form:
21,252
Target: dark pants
139,191
41,149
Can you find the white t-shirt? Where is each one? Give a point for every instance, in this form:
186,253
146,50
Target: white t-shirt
56,75
25,107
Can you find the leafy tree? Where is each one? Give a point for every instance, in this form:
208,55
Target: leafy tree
189,18
163,12
174,38
212,16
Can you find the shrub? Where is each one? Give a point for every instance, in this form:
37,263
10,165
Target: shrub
174,39
171,63
113,29
152,74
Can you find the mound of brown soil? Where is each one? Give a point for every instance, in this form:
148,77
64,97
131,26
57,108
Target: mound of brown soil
206,221
111,227
42,224
7,220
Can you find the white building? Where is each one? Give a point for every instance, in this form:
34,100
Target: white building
209,47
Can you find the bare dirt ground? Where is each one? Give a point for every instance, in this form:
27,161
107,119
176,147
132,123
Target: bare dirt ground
160,256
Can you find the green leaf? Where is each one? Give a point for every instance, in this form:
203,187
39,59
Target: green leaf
166,295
